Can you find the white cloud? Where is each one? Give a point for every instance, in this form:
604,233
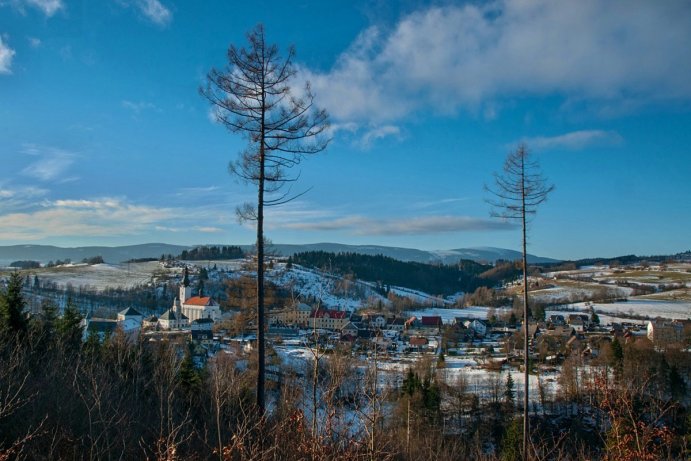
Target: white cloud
6,55
423,225
81,218
137,107
471,55
155,11
378,133
51,165
15,198
47,7
34,42
208,229
151,10
574,140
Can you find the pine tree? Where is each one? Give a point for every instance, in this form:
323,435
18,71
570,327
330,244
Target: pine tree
69,327
12,304
509,391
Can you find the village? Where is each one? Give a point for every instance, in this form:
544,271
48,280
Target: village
480,338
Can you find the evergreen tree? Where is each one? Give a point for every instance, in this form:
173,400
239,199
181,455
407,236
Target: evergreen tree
69,327
190,378
509,391
12,304
594,318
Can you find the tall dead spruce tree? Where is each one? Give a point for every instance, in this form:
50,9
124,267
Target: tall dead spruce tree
252,96
517,192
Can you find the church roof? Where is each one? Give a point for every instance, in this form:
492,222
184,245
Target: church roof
170,314
200,301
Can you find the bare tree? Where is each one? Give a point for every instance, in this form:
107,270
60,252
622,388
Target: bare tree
253,96
517,192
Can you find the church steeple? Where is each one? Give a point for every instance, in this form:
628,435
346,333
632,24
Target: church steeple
185,288
186,278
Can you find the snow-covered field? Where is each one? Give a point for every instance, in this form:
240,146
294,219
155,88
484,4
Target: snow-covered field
623,311
101,276
567,293
647,307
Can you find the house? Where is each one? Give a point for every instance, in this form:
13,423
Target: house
203,324
534,330
350,330
418,343
431,322
477,326
562,331
328,319
297,314
100,328
663,331
396,324
578,322
131,314
204,337
150,322
377,321
130,327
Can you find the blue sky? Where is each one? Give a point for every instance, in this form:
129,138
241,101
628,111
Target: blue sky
105,140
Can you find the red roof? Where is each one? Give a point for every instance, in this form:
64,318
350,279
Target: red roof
431,321
418,341
200,301
322,313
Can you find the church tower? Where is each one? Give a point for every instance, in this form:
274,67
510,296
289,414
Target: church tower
185,288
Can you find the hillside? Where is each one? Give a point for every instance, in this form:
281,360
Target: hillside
480,254
385,271
113,255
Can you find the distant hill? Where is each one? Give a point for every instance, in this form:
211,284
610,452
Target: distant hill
489,254
480,254
46,253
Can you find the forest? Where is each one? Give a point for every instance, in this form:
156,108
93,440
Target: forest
438,279
212,253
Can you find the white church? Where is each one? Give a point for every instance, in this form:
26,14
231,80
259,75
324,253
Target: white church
187,309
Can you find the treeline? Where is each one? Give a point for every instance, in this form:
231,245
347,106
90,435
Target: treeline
385,271
26,264
617,261
212,253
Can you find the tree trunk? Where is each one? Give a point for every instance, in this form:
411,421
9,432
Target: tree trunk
261,378
526,375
